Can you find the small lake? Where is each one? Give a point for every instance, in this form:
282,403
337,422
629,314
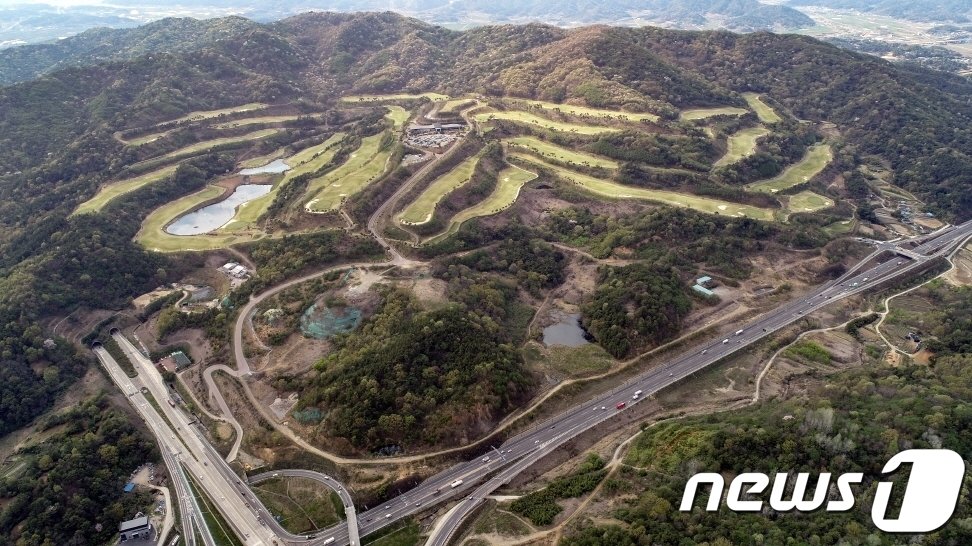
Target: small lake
274,167
567,332
218,214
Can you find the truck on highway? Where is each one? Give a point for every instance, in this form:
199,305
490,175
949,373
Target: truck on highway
621,405
636,394
455,484
328,541
739,332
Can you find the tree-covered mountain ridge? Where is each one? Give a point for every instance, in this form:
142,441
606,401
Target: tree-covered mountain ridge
915,120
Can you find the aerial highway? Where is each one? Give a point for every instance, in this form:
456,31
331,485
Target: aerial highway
472,481
239,506
327,481
167,445
528,447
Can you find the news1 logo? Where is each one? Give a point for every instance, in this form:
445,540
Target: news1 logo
930,497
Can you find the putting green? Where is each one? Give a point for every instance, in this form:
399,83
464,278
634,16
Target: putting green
585,111
394,96
547,150
543,123
808,201
262,119
741,144
421,210
815,161
763,110
705,113
114,190
509,182
614,190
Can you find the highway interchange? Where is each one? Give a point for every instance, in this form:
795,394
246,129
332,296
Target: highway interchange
185,447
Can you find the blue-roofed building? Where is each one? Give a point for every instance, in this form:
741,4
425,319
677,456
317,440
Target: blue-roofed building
129,487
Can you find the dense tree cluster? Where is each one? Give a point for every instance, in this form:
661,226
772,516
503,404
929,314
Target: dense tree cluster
541,507
634,306
410,376
534,264
677,237
854,423
68,493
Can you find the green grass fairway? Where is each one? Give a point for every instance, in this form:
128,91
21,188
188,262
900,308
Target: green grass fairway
420,211
199,147
395,96
261,119
511,180
807,201
543,123
209,114
363,166
741,144
705,113
592,112
816,160
454,106
144,139
763,110
308,160
547,150
153,237
114,190
614,190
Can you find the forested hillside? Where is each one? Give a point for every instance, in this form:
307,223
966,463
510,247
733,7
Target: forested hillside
104,44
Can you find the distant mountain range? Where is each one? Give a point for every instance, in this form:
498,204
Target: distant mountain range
106,44
922,10
34,23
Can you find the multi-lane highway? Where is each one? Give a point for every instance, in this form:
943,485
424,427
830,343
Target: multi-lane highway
167,444
254,525
328,482
528,447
